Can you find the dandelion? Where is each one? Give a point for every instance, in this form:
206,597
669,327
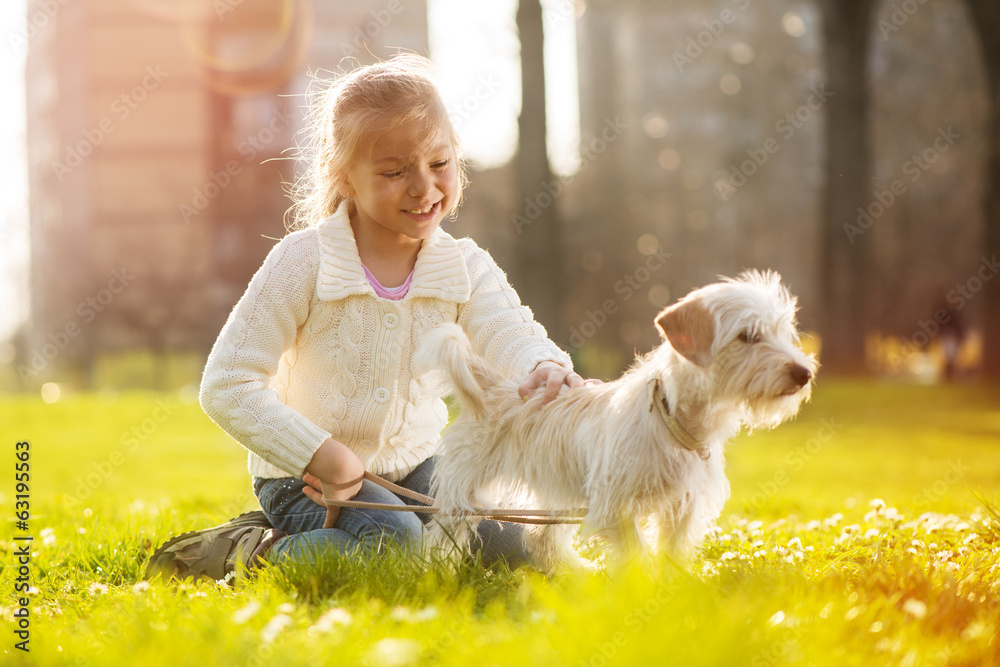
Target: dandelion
833,520
915,608
141,587
877,504
813,525
971,537
754,525
794,542
97,589
871,533
729,555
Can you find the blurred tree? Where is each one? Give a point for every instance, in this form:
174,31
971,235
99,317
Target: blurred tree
844,272
986,14
539,269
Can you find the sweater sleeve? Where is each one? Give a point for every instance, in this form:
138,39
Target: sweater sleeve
235,388
501,329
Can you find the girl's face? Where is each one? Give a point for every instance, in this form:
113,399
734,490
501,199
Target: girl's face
404,185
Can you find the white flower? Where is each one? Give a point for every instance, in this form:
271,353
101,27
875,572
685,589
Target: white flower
246,613
393,652
274,627
330,619
915,608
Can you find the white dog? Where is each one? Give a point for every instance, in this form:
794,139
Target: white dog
646,447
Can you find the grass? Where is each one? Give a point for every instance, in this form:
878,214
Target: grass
854,536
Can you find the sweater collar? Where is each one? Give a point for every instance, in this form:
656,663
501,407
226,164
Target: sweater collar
440,271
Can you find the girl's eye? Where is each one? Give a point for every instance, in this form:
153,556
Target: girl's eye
440,165
393,174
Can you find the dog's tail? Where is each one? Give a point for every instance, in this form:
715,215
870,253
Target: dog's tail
447,348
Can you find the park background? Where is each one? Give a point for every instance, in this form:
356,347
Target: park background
621,153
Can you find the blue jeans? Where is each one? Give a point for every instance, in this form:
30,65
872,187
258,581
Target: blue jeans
366,530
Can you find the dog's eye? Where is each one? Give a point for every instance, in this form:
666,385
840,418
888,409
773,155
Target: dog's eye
749,337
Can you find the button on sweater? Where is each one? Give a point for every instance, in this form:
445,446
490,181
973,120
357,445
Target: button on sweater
311,352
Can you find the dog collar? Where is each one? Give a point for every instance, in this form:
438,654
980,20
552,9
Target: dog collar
657,398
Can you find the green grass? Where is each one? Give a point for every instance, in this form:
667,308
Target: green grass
854,536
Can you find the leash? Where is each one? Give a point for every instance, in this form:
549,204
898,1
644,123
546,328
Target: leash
686,440
537,517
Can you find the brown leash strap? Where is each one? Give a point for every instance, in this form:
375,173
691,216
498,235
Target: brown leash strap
508,515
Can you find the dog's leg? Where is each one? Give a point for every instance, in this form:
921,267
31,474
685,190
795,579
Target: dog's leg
551,548
623,538
682,528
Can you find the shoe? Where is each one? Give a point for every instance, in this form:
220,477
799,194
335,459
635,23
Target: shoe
222,552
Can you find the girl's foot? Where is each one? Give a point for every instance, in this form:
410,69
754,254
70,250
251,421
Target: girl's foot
231,549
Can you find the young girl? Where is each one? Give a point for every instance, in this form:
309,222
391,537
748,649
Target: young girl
313,372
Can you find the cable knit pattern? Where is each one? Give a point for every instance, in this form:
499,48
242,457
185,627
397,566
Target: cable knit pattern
311,352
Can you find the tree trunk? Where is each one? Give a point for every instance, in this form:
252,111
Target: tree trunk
539,273
986,14
844,321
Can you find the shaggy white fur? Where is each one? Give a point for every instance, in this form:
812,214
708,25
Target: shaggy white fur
730,358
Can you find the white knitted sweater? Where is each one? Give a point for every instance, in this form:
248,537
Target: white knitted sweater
311,352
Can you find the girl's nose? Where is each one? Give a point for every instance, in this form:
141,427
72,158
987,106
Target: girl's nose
420,183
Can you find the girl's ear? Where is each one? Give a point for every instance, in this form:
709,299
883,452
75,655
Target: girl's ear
344,187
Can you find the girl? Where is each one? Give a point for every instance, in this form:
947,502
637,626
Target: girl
313,371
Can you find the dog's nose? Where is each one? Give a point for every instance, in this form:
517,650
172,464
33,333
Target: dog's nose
800,375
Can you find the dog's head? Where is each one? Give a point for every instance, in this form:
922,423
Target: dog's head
742,332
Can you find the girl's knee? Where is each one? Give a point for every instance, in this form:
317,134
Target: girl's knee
402,529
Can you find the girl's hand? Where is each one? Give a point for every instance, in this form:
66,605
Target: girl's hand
334,473
552,377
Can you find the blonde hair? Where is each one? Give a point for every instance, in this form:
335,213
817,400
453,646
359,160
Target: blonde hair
345,113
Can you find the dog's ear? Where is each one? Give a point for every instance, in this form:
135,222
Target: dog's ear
690,328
